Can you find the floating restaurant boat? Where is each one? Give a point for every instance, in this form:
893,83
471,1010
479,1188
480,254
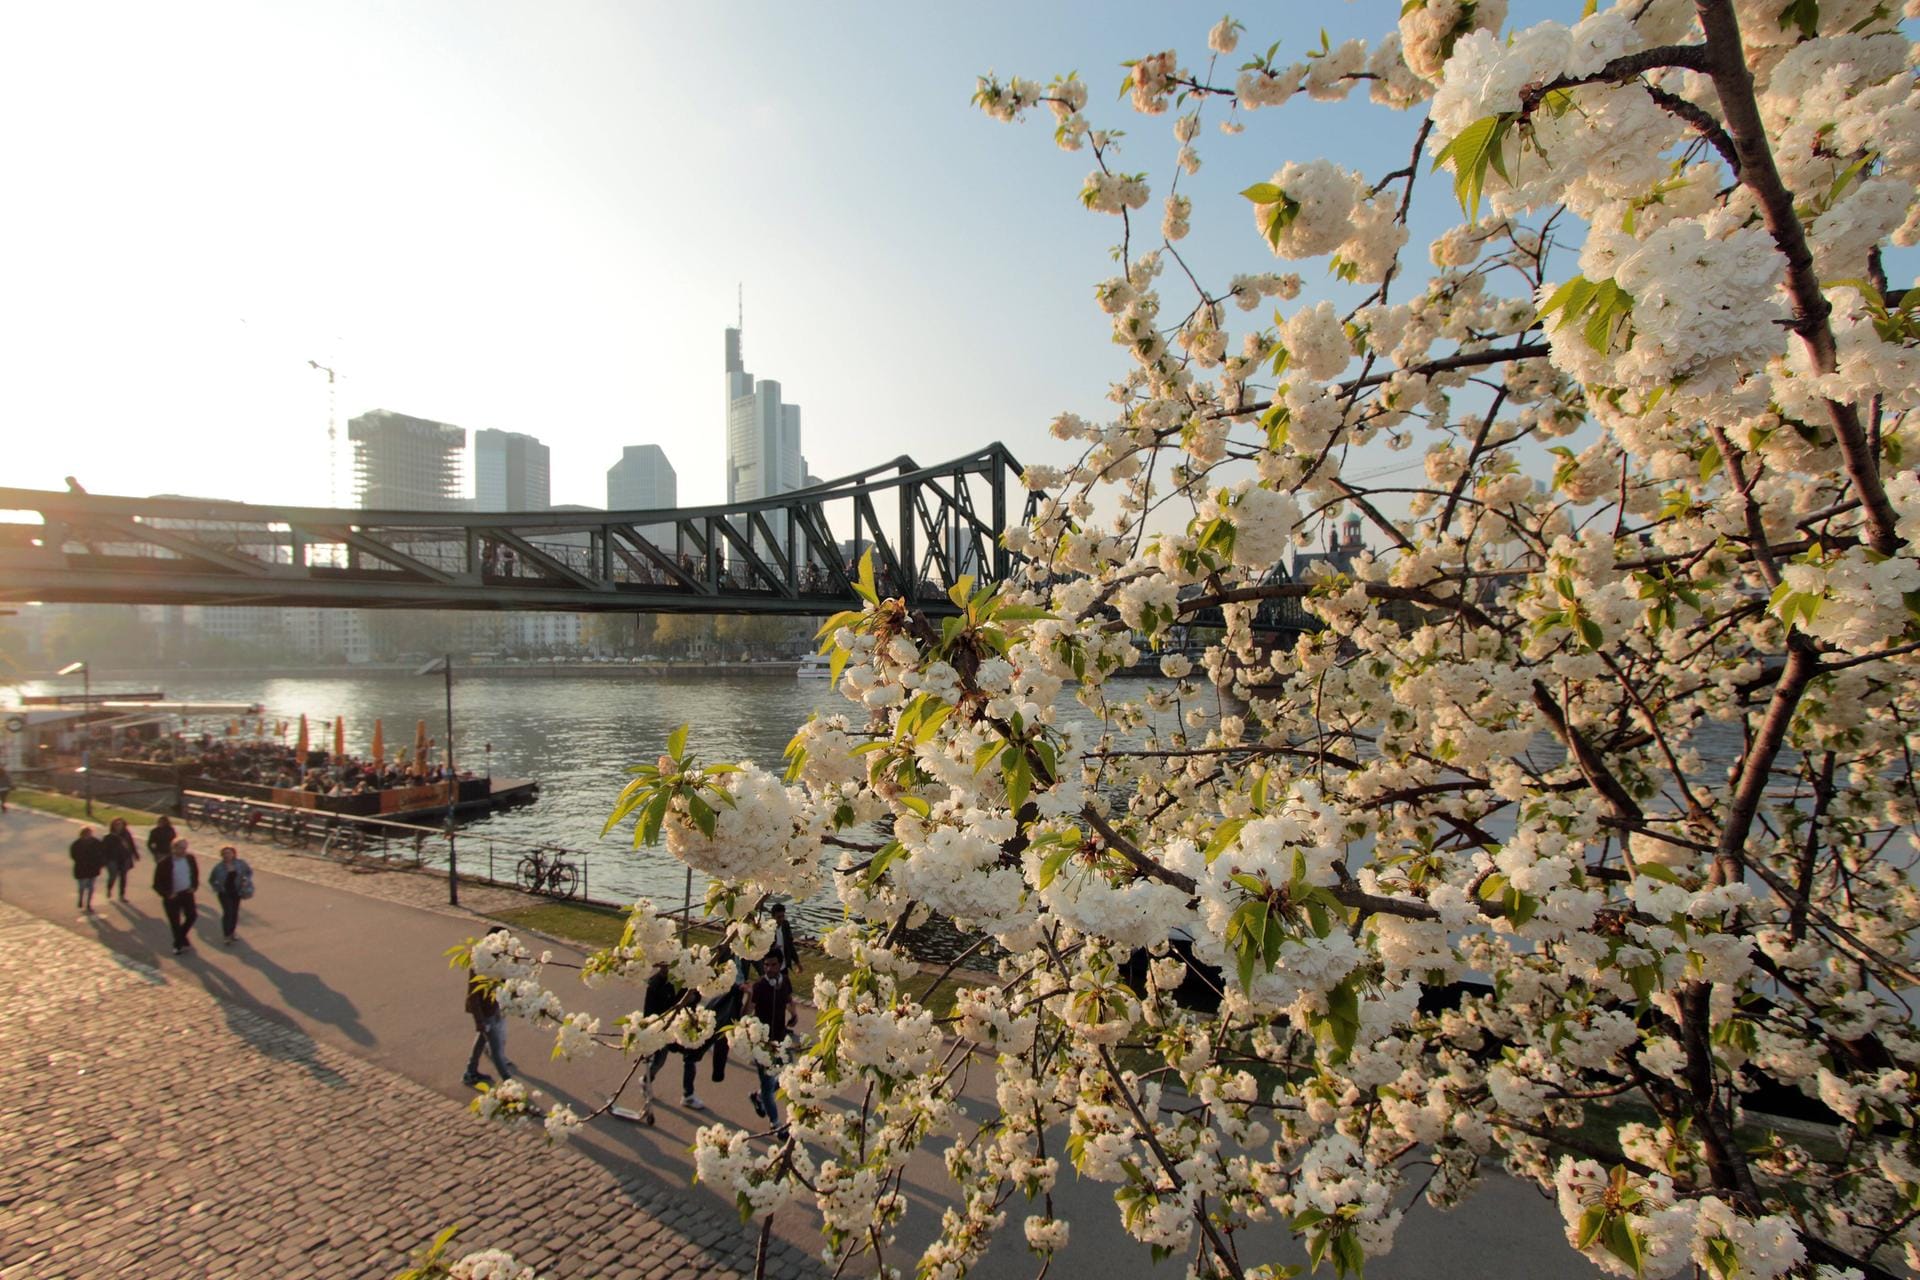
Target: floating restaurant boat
416,799
420,802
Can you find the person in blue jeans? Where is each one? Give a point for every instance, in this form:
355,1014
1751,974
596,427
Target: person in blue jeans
771,1001
490,1031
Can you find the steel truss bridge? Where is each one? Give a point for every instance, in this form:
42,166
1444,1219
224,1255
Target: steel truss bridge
926,527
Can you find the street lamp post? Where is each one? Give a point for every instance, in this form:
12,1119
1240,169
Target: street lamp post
86,744
443,665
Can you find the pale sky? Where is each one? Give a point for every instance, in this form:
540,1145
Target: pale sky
534,216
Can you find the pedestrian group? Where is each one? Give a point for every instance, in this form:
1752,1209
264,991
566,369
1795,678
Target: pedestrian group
176,876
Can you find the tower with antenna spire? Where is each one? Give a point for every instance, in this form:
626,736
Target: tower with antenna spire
763,430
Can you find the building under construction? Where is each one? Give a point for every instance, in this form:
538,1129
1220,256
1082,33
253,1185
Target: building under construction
402,463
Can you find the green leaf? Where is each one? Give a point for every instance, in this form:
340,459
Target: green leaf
1051,864
1264,193
1343,1016
1804,14
647,830
702,814
1224,836
1472,151
865,587
677,743
1017,774
1592,1220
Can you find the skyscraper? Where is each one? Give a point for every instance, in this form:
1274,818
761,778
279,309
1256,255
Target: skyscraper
642,480
763,438
401,463
763,434
510,472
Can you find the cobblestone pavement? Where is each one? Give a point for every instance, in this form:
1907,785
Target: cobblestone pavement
151,1131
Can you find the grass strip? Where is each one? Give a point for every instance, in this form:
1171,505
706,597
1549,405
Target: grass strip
66,806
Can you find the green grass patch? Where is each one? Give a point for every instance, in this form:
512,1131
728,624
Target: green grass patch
75,807
593,926
589,926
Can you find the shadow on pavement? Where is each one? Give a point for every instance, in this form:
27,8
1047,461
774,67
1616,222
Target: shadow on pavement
132,935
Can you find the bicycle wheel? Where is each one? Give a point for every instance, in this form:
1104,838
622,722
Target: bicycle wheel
529,874
562,880
228,818
193,813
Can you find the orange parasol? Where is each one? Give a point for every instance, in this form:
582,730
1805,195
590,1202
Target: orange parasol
379,744
339,739
300,746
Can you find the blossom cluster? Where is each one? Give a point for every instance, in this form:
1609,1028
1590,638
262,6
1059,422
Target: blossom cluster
1581,798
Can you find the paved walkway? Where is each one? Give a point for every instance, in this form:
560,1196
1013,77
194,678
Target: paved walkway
152,1130
340,974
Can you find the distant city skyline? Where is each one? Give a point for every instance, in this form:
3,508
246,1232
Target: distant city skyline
530,219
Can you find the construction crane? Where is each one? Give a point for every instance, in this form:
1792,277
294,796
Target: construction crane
333,453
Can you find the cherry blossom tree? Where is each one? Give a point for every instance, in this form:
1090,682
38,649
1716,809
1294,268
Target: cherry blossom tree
1576,815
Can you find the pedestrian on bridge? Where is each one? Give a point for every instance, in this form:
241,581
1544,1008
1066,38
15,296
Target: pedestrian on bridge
88,857
176,877
121,853
232,881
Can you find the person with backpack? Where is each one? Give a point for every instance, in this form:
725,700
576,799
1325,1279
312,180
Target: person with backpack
88,855
232,881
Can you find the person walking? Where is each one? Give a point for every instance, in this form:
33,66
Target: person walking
6,787
232,881
176,877
121,853
489,1028
771,1001
88,855
661,996
161,838
783,940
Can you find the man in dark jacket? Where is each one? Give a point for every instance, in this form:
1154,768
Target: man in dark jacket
161,838
783,940
489,1029
771,1001
176,875
88,855
661,997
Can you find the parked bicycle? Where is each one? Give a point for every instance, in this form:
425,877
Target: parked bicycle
545,871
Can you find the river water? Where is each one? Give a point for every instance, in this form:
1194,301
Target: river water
577,734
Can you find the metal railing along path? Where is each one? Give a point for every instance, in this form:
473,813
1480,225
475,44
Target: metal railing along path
532,866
